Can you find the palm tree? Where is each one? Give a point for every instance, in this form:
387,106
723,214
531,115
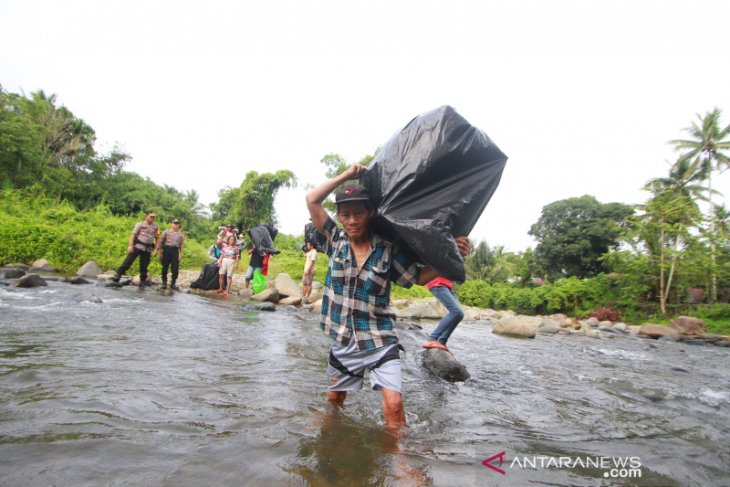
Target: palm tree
672,210
705,153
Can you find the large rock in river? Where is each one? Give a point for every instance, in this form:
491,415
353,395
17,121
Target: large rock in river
11,273
271,295
657,331
41,265
286,286
686,325
444,365
30,280
518,326
419,310
90,269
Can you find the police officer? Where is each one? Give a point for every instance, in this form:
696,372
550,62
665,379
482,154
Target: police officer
141,243
171,243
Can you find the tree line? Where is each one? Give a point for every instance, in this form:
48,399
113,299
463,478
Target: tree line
665,253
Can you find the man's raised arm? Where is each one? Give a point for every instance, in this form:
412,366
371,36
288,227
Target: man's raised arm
316,197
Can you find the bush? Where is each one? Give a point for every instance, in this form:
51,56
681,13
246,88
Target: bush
32,227
605,314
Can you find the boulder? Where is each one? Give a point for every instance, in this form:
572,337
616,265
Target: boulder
444,365
259,307
588,331
686,325
400,303
419,310
592,322
13,273
291,300
317,306
135,281
75,280
315,296
286,286
657,331
471,315
30,280
41,265
622,327
109,283
316,285
245,293
605,324
14,265
271,295
518,326
547,329
90,269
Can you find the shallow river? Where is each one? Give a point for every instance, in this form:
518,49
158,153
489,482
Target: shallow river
136,387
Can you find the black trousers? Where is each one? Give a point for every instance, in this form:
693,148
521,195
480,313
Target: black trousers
170,258
144,262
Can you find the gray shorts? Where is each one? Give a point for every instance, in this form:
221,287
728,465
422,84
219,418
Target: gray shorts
347,364
250,271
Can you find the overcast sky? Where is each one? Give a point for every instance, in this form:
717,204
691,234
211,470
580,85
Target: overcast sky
582,96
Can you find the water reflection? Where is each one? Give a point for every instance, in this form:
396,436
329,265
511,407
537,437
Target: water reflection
346,452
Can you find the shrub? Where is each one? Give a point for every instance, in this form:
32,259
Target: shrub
605,314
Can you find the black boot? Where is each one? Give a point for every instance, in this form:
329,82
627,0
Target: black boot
116,277
164,285
173,286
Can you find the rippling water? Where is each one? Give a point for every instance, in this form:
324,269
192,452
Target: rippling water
120,387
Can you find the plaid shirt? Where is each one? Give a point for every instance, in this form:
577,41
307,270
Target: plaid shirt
359,302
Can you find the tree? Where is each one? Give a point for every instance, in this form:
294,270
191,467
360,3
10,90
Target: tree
672,212
574,233
252,202
336,165
706,153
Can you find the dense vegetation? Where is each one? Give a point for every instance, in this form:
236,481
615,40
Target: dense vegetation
63,200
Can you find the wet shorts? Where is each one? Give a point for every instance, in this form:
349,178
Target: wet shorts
347,364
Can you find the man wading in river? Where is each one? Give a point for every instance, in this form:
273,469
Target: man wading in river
356,303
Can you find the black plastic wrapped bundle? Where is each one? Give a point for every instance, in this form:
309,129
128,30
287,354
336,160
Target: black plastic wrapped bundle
263,237
312,235
431,183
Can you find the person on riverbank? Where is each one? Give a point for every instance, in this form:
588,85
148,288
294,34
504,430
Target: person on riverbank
256,263
227,262
443,290
226,233
171,243
142,243
214,251
355,306
310,260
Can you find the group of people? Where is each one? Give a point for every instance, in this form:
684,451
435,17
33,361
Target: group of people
146,241
226,252
355,311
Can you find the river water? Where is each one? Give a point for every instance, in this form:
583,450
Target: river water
136,387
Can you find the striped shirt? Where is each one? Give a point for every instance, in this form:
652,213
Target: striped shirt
358,303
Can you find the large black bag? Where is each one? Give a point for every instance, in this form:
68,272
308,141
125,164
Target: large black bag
208,278
263,237
431,182
312,235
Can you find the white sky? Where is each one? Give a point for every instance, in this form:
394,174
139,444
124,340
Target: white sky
581,95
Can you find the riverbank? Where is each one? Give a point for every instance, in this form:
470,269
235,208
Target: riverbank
282,290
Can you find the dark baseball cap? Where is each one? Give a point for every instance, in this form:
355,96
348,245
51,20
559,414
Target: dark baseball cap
351,192
174,220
